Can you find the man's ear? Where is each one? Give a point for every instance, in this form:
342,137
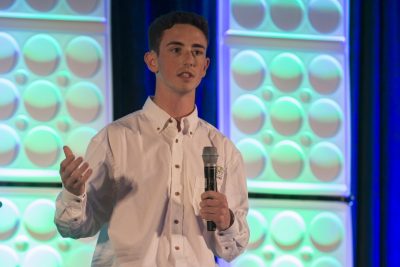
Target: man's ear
205,67
151,60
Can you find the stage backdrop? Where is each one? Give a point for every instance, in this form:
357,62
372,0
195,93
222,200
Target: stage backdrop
42,68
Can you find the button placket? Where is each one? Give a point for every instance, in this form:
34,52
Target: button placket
177,156
177,245
176,201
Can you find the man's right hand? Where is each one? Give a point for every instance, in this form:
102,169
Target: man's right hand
73,173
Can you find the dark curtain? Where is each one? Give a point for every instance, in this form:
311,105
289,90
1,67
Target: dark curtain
375,74
132,82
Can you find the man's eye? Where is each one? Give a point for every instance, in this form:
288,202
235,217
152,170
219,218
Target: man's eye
175,50
198,52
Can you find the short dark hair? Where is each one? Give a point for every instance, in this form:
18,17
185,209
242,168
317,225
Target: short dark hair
167,21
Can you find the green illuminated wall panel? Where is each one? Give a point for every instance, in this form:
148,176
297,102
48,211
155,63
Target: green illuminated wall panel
55,83
72,10
284,93
284,100
28,236
55,90
295,19
297,233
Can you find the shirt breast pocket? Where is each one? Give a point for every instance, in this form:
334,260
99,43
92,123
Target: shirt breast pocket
198,189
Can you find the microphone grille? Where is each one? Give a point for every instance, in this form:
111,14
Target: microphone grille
210,155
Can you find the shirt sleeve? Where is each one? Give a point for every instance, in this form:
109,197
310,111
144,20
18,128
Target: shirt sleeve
231,242
83,216
69,209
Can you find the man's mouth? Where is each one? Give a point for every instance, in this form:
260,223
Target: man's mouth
186,74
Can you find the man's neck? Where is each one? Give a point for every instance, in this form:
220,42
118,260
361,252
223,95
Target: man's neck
176,106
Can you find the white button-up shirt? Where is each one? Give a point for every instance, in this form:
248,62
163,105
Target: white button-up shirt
144,193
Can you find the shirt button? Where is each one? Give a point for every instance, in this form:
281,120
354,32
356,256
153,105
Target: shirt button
177,193
170,120
176,140
176,248
176,221
177,166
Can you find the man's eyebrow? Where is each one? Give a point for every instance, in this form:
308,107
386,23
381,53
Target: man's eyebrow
175,43
181,44
199,46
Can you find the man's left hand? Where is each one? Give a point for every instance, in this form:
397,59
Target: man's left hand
214,207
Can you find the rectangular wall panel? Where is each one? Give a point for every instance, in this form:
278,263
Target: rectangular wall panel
55,80
28,235
284,93
297,233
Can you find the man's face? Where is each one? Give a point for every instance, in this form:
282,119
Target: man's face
181,62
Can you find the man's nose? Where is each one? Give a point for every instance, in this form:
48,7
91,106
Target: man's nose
188,59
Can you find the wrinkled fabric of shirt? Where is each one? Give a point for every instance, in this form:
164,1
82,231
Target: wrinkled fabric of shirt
144,193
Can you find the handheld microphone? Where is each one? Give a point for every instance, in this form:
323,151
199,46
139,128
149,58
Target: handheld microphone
210,156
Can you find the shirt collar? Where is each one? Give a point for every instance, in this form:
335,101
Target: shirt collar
162,119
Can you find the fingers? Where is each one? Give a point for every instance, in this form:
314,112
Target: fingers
71,167
67,151
213,195
209,194
76,183
69,157
86,175
74,172
77,173
214,207
221,217
213,199
213,203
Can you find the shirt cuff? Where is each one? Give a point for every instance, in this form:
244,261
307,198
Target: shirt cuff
67,197
232,229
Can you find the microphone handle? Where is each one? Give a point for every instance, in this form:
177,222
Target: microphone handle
211,226
210,173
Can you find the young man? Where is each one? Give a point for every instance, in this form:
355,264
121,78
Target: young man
142,182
